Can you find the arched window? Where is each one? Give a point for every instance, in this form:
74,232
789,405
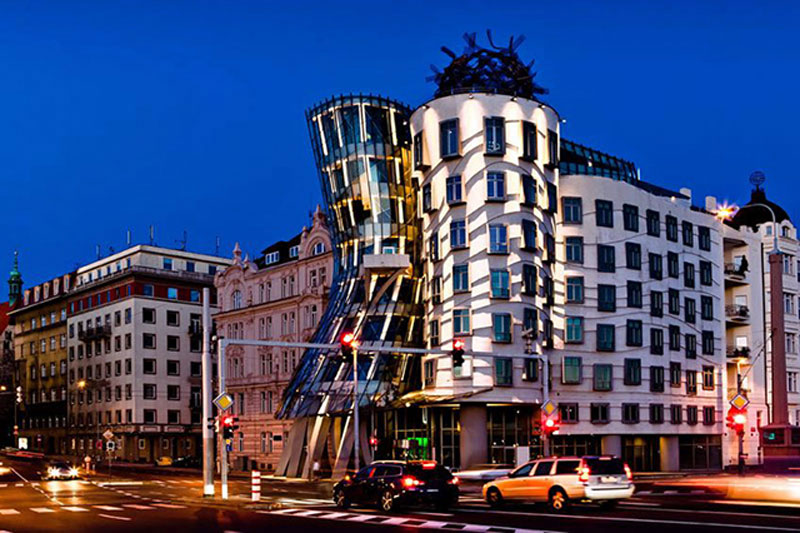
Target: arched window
319,248
236,298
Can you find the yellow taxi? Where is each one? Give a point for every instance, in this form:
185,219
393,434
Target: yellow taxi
558,481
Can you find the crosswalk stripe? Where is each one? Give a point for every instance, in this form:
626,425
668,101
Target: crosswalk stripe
8,511
138,507
361,518
76,509
394,521
115,517
307,513
20,485
169,506
108,508
333,516
3,485
42,510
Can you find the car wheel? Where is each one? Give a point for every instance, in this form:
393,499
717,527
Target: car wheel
609,505
493,497
558,500
341,499
387,501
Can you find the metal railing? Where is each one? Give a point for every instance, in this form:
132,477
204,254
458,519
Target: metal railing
737,311
743,351
734,269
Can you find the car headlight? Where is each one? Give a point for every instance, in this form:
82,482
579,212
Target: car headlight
53,472
73,472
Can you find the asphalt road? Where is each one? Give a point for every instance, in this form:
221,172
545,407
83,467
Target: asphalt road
132,501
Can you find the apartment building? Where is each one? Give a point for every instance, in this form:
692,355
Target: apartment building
40,347
280,296
134,341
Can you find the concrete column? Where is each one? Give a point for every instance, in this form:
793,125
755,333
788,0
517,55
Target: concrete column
474,436
611,445
670,454
780,402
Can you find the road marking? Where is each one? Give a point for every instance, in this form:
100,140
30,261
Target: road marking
169,506
643,520
8,511
20,485
138,507
108,508
119,483
20,475
76,509
115,517
641,504
42,510
3,485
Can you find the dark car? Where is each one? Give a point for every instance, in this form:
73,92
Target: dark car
189,461
391,484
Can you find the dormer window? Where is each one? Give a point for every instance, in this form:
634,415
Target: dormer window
294,251
272,257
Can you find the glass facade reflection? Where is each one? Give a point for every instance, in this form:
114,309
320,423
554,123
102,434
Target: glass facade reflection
362,147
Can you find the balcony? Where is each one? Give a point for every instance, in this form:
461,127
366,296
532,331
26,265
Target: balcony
737,313
738,353
95,333
735,274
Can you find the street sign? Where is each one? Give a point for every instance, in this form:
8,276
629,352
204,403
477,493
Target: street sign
224,401
108,434
110,446
229,447
548,408
739,402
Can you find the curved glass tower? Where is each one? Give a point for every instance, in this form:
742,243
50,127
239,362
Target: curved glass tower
361,146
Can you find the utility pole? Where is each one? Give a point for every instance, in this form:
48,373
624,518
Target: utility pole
208,435
223,449
356,433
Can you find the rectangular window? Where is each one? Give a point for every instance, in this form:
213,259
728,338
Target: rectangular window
149,391
633,255
708,416
690,340
448,139
531,322
573,210
494,131
503,372
529,279
653,223
501,326
675,374
460,278
656,379
529,235
498,239
419,151
671,224
630,217
173,318
691,382
674,305
604,213
148,366
690,310
603,377
433,330
673,267
436,290
688,275
708,343
656,341
571,370
148,315
427,198
634,294
704,238
675,414
167,263
599,413
656,413
149,341
568,412
630,413
528,190
675,338
607,298
633,372
688,233
173,392
454,190
634,332
691,415
552,148
574,330
173,343
433,245
656,268
461,325
575,290
705,273
656,303
606,341
606,261
708,378
172,293
530,370
495,186
529,141
706,308
574,249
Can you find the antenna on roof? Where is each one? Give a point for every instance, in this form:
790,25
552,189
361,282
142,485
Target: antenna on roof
98,251
216,252
128,238
152,234
183,241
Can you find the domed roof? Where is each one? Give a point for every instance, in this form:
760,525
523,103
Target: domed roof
752,215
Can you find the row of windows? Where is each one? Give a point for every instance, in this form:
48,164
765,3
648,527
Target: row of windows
494,141
53,318
496,190
572,208
42,345
498,239
500,282
267,364
149,416
599,413
149,366
43,373
606,337
603,375
148,290
149,392
501,326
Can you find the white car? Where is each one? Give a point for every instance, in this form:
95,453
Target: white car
61,471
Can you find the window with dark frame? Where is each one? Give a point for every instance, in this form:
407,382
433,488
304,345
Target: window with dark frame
687,229
606,298
675,338
671,224
688,275
529,141
656,268
704,238
675,414
633,255
606,338
448,138
656,303
572,208
604,213
630,217
494,134
673,265
633,330
634,290
656,413
568,413
630,413
674,304
603,378
606,261
633,372
656,379
599,413
675,374
656,341
653,223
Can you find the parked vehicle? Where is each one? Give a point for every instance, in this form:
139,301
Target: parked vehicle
164,461
392,484
188,461
561,480
60,470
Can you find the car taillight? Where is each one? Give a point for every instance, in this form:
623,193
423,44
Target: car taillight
410,481
628,473
347,477
453,481
583,474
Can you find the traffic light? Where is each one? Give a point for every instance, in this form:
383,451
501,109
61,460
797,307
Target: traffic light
373,442
229,426
737,419
458,353
550,424
348,342
19,394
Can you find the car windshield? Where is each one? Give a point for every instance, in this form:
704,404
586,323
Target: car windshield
425,474
605,465
60,465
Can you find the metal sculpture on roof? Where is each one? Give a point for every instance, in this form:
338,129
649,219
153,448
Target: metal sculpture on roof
498,69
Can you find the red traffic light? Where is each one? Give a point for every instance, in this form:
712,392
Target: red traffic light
736,419
458,344
227,420
549,424
349,339
373,441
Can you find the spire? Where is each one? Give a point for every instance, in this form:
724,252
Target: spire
14,281
237,255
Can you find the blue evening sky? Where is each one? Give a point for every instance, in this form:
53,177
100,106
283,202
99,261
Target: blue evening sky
189,115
